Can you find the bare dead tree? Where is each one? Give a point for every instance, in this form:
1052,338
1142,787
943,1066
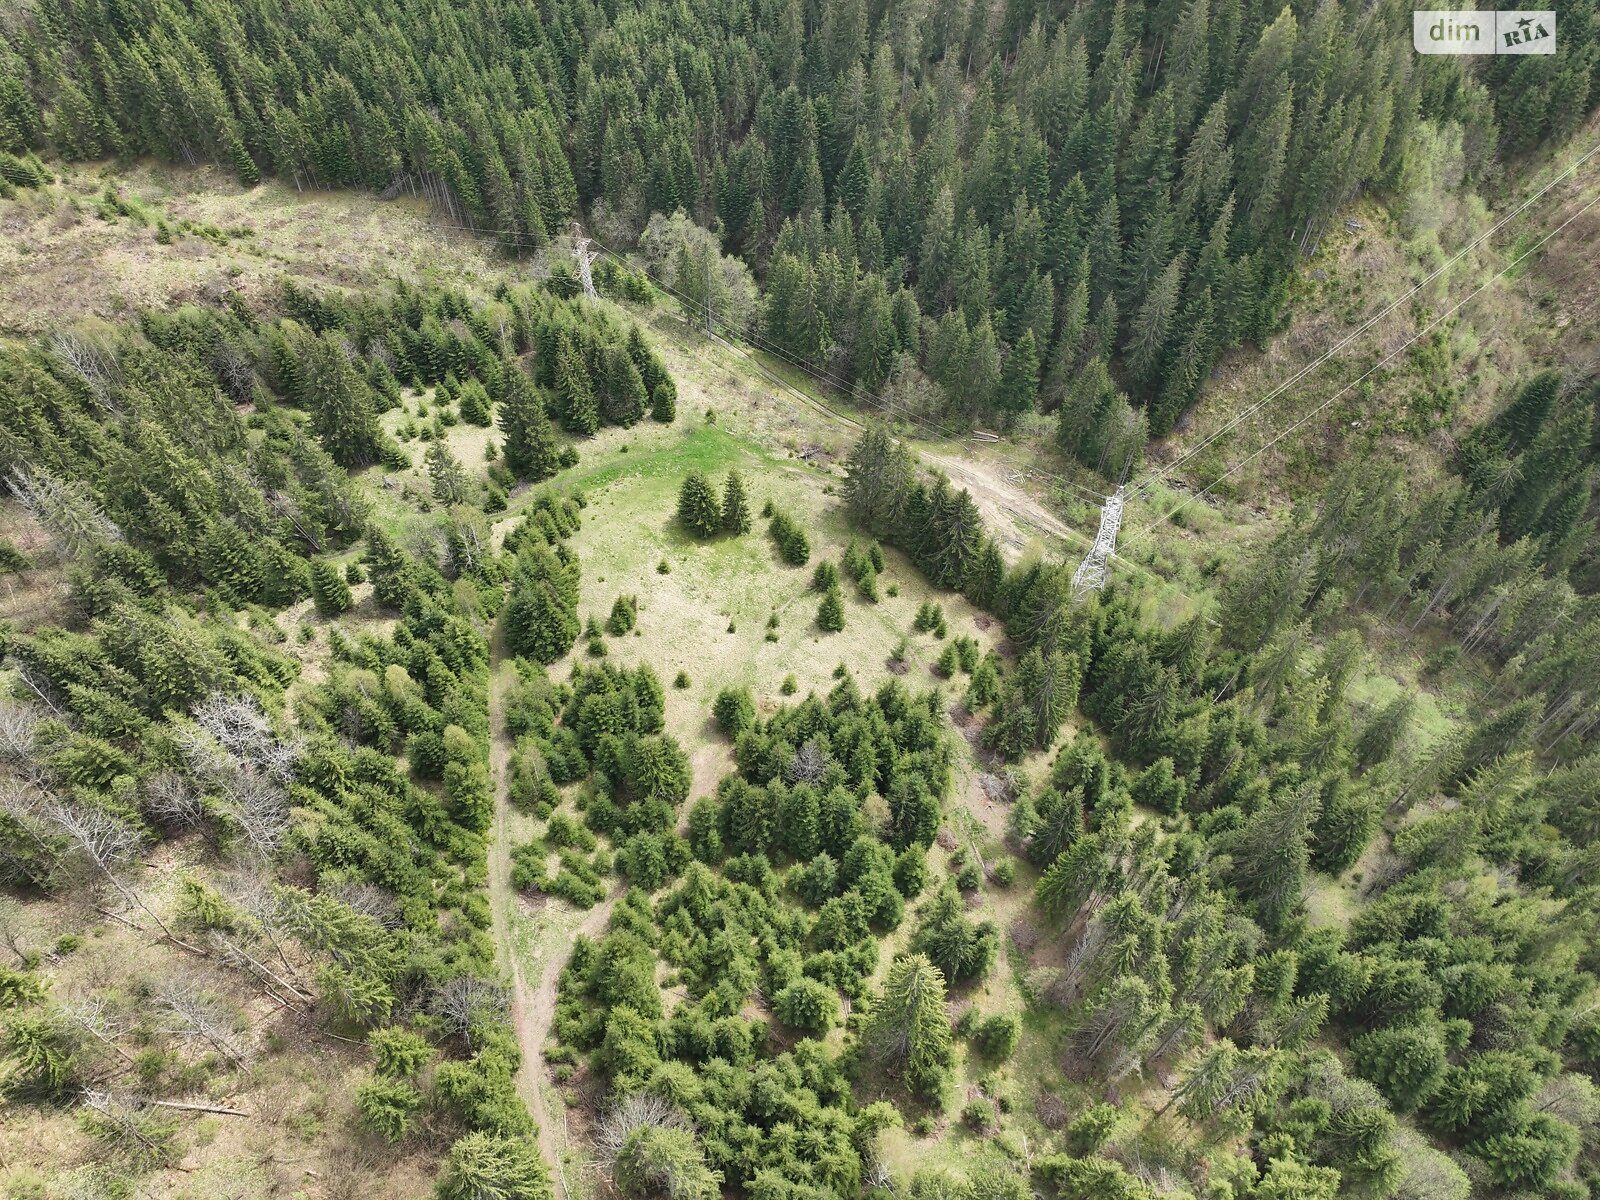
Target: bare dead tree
171,802
18,723
95,1017
241,727
635,1111
235,952
252,893
124,1122
72,517
21,804
288,508
462,1002
809,764
90,361
378,351
372,901
107,844
12,927
235,373
1084,953
231,749
194,1016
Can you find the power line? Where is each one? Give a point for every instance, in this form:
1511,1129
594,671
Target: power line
1157,475
852,390
874,402
1149,528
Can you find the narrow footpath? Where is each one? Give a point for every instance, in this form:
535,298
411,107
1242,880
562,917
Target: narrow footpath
533,955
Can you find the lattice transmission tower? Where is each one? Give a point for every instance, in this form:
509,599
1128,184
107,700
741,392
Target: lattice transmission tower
1091,573
585,257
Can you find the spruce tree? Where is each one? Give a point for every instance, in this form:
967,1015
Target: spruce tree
878,478
830,614
505,1167
340,401
1521,420
625,394
735,505
446,474
541,615
1019,378
580,411
699,509
328,589
474,404
530,441
908,1031
664,400
389,568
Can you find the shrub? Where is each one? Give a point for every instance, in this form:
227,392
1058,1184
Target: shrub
807,1004
397,1052
997,1037
1091,1129
491,1165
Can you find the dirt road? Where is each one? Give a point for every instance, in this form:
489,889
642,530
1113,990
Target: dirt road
533,1000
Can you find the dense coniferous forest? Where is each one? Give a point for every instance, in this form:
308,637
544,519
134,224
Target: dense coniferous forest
476,738
1018,199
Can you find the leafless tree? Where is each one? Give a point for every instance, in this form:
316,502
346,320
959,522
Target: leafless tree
95,1017
635,1111
232,751
17,861
171,802
260,810
235,374
1124,1063
241,727
12,927
73,518
378,351
236,952
287,507
809,764
194,1016
468,549
17,725
1571,1098
106,843
1025,935
462,1002
252,893
125,1121
1002,789
90,361
1083,955
372,901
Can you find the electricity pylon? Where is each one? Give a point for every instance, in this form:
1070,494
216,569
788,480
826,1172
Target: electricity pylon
586,257
1091,573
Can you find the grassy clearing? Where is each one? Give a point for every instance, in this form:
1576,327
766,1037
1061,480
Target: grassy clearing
708,616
